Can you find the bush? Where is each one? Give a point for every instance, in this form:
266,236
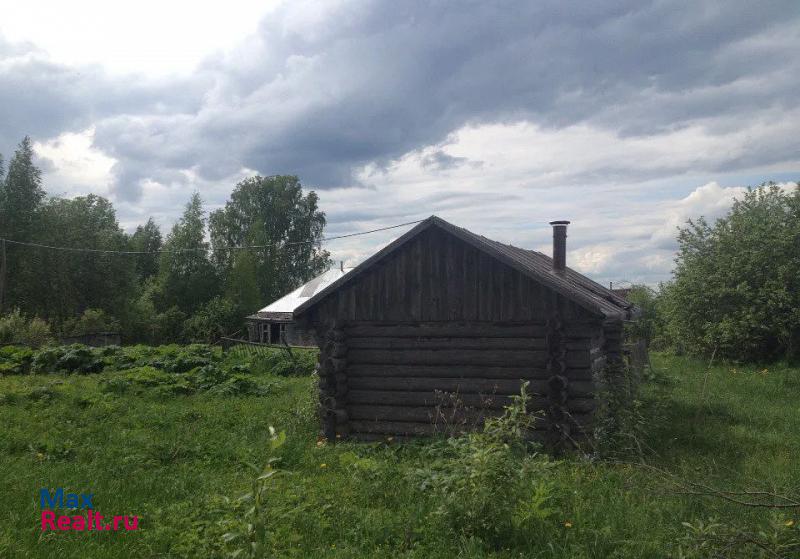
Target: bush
491,486
92,321
74,358
16,328
219,317
15,360
736,287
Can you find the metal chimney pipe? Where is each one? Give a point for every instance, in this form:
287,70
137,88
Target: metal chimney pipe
559,246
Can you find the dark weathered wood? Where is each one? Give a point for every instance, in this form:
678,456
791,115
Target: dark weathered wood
441,342
446,329
420,414
462,371
467,386
448,400
447,357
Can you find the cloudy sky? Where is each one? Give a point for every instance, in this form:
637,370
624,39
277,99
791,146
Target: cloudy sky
624,117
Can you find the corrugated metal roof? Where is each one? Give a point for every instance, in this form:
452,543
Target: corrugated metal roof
285,306
574,285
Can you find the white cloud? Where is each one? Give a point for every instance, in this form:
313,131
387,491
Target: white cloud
73,166
153,37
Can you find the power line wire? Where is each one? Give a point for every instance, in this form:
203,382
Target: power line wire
184,250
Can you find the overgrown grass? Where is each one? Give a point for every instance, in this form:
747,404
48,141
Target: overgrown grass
179,461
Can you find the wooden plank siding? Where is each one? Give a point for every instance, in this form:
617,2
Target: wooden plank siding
437,277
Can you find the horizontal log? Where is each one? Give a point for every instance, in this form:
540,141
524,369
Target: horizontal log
467,329
488,357
446,400
442,342
461,371
445,330
448,357
577,388
420,414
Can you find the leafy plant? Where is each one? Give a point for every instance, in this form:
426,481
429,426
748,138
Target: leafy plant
253,540
489,484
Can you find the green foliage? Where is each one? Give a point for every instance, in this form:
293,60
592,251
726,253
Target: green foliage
15,328
174,291
271,212
20,195
736,287
92,321
68,359
146,238
490,486
650,324
60,285
217,318
178,460
241,285
15,360
253,540
186,278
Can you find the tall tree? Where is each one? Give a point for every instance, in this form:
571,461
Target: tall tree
146,238
21,196
187,278
273,212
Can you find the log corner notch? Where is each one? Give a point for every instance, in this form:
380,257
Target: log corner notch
332,369
557,383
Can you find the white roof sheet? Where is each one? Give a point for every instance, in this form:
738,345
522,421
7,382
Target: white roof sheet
288,303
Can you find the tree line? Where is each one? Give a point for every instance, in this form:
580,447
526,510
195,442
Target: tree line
189,285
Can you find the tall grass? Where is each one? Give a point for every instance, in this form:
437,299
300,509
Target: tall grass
180,463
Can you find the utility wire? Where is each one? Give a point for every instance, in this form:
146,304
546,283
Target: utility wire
184,250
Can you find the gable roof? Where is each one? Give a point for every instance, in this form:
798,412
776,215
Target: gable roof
575,286
283,308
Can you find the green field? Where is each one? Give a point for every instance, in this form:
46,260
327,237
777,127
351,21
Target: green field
174,451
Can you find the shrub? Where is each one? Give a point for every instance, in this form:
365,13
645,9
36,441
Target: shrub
16,328
74,358
91,321
490,485
736,287
15,360
217,318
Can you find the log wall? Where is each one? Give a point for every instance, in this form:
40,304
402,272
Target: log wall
442,377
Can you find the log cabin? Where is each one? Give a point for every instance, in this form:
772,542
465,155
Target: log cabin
436,332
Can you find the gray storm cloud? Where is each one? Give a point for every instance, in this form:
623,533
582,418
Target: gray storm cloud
371,81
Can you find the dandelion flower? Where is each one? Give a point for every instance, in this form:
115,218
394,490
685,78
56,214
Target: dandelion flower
323,465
